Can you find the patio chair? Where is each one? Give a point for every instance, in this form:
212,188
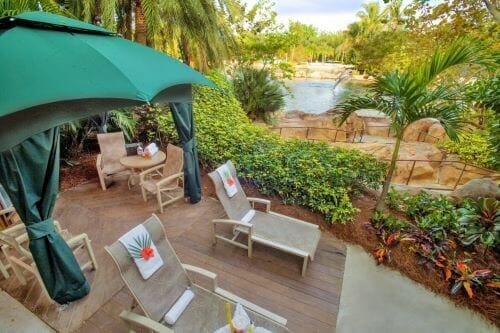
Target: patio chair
166,181
14,245
281,232
8,215
156,295
112,147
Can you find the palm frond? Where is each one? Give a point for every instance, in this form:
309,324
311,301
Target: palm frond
463,51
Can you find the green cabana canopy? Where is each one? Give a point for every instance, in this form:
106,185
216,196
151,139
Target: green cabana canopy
53,70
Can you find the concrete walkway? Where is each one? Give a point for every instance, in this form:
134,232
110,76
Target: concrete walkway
15,318
378,299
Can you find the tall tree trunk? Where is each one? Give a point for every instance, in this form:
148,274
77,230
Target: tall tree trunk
128,23
140,23
387,182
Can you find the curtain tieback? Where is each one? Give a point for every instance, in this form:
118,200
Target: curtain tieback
188,146
40,229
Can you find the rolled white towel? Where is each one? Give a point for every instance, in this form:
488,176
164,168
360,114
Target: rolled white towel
178,308
248,216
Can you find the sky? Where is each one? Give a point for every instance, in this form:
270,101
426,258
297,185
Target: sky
326,15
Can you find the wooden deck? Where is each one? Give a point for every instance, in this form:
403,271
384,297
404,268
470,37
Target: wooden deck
270,279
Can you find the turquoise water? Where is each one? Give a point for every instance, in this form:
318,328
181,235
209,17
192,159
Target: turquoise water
316,96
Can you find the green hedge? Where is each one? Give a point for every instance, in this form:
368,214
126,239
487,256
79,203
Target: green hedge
314,175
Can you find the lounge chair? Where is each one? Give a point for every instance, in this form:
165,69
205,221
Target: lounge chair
166,181
156,295
284,233
14,245
112,147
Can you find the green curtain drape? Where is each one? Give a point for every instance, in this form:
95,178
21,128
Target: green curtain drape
30,173
184,122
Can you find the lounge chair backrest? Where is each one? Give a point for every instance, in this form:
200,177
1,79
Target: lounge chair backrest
112,147
157,294
4,199
237,206
174,162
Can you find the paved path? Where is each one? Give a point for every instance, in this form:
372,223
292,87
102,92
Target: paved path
377,299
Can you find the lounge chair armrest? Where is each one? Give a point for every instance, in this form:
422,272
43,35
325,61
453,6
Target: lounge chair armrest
7,211
261,201
150,170
169,179
251,306
203,272
232,222
14,229
98,162
137,319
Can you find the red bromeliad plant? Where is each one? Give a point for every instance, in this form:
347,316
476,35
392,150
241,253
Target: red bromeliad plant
467,278
387,243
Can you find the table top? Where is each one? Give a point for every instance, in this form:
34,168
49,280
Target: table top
139,162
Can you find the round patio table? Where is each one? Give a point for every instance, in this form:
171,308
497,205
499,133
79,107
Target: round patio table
137,164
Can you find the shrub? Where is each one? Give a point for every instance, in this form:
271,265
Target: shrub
314,175
472,148
258,92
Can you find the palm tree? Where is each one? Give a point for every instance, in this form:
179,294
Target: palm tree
417,93
371,17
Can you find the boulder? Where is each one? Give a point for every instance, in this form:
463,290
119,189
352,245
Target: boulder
477,188
425,130
435,133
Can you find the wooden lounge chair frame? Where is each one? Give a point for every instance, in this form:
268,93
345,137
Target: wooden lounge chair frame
13,238
170,186
239,204
152,316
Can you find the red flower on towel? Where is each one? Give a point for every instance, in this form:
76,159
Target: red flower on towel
147,253
142,248
230,181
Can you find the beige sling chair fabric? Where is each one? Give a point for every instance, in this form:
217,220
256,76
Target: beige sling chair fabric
165,181
112,147
156,295
269,228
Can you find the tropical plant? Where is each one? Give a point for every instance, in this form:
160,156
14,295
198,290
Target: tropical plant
416,93
258,92
468,279
387,242
388,222
14,7
480,222
74,134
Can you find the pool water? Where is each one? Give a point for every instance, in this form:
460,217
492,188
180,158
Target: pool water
316,96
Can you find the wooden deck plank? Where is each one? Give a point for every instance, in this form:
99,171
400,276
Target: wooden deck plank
270,279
